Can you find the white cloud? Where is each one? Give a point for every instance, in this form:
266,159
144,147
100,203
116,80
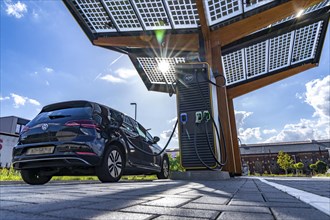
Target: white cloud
48,70
18,100
166,134
113,79
304,130
240,117
34,102
269,131
4,98
249,134
126,73
173,120
21,101
17,10
318,96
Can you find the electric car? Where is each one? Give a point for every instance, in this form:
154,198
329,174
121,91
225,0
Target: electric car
86,138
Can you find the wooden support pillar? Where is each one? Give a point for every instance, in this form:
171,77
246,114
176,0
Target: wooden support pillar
227,118
225,105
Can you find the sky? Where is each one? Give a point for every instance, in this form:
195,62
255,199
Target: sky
47,58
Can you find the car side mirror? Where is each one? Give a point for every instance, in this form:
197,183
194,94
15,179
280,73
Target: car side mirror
156,139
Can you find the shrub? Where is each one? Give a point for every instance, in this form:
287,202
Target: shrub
321,167
175,164
313,167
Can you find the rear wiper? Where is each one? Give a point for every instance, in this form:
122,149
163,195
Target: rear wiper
58,116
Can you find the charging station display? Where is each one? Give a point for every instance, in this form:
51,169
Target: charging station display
197,137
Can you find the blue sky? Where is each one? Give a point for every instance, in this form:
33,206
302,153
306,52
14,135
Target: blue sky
46,58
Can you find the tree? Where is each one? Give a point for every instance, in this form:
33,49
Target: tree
284,161
298,166
313,167
321,167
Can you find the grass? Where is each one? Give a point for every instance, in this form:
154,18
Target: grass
12,175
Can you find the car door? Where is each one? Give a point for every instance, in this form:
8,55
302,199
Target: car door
147,144
133,140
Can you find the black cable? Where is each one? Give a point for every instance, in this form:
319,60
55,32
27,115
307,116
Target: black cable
217,131
166,145
196,151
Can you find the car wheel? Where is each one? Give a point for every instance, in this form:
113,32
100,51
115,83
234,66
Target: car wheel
165,172
112,166
32,177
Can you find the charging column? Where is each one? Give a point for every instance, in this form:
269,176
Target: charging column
196,105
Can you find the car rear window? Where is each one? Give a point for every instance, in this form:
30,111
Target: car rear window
63,115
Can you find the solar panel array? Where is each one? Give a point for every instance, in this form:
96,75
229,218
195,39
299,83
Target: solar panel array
306,11
138,15
273,54
150,67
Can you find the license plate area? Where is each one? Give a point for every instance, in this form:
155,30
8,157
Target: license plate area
40,150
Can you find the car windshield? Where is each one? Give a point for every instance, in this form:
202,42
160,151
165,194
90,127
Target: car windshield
76,113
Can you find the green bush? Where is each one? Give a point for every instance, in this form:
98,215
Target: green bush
321,167
175,164
313,167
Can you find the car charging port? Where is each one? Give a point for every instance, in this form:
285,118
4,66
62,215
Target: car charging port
184,118
199,117
206,116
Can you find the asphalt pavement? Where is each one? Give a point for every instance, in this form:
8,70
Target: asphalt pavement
235,198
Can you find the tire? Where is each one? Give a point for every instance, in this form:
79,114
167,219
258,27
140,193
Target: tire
32,177
112,167
165,172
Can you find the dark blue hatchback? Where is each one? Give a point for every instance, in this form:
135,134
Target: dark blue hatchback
86,138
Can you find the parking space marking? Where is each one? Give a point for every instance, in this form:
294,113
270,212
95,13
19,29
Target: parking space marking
319,202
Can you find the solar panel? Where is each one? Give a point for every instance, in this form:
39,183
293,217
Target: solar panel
123,14
256,59
218,11
150,67
234,67
94,15
255,4
272,54
183,13
152,14
305,42
280,51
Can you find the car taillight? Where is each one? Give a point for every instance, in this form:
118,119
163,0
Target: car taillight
83,123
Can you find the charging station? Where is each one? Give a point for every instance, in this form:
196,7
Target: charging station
240,40
197,109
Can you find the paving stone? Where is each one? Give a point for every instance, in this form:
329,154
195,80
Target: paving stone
168,217
168,202
270,204
172,211
212,200
8,215
257,197
5,203
112,205
244,216
227,208
76,213
46,207
282,213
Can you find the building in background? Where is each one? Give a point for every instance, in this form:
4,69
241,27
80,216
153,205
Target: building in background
10,127
262,158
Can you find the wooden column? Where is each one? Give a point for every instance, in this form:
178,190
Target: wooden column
225,106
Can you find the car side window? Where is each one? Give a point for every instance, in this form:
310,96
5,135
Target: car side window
127,124
149,137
